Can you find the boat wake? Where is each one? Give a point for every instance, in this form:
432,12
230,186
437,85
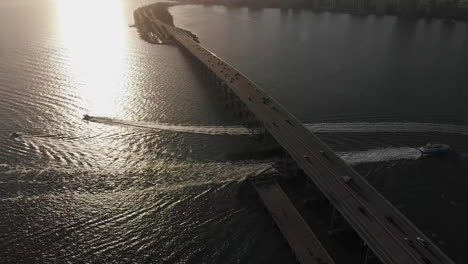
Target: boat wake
206,130
382,127
351,127
380,155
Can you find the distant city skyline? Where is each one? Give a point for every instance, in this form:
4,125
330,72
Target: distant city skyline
431,8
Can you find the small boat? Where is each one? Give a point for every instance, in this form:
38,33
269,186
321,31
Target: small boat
15,135
86,117
430,148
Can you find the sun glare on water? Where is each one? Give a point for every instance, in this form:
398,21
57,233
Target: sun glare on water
94,35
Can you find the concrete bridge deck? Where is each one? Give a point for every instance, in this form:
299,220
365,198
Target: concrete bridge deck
297,233
391,236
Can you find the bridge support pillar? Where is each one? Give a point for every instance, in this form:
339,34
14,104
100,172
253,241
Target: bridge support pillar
370,257
315,192
337,223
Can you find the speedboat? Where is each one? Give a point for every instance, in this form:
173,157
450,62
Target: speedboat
86,117
430,148
15,135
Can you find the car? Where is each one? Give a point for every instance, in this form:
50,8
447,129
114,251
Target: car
422,241
347,179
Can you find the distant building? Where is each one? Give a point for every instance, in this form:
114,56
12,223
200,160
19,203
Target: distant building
462,8
380,6
463,4
407,6
433,8
362,6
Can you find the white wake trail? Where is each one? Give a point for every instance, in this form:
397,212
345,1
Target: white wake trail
207,130
346,127
368,127
380,155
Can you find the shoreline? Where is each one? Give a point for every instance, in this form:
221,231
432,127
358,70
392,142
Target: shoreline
421,11
149,31
154,34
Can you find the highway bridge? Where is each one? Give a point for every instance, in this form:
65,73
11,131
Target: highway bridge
392,237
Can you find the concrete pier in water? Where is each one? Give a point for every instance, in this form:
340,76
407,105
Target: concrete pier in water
302,241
